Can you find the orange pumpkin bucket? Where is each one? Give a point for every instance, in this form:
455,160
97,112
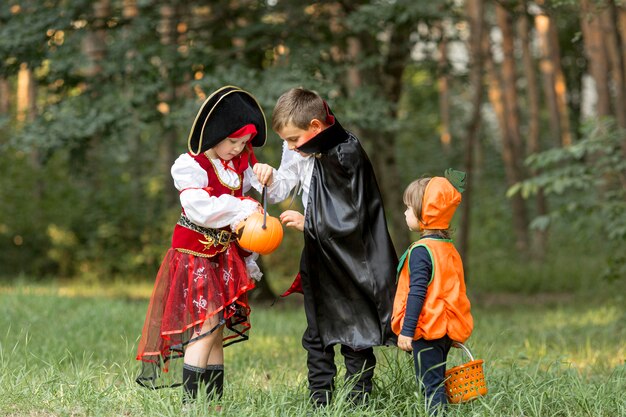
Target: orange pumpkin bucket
260,233
465,382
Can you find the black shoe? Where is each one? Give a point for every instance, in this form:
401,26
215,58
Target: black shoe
321,399
358,398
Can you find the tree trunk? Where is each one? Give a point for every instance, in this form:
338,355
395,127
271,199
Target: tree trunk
546,66
27,112
94,43
167,32
353,75
443,81
511,138
532,93
393,71
383,144
621,23
612,41
475,13
130,12
5,96
26,95
532,144
596,55
509,79
560,87
95,50
129,9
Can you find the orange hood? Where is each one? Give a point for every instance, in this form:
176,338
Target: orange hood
441,199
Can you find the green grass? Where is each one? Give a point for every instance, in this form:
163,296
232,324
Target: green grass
70,352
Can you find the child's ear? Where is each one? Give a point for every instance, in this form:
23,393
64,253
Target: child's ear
316,126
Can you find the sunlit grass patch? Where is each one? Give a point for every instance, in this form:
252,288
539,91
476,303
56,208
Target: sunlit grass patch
64,355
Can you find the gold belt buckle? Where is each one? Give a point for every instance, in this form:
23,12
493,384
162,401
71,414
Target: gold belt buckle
223,237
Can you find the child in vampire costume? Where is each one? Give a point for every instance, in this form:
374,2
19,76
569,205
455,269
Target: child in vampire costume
199,303
347,269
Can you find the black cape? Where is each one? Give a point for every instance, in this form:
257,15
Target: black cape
349,263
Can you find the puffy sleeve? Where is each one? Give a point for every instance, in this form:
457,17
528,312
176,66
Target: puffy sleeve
250,181
200,206
287,176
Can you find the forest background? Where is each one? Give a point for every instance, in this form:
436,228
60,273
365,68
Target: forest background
528,97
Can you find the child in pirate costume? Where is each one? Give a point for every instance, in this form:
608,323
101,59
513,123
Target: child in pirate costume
431,309
200,303
347,268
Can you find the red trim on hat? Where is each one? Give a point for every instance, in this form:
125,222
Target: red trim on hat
247,129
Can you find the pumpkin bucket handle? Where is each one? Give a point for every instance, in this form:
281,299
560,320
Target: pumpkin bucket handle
264,202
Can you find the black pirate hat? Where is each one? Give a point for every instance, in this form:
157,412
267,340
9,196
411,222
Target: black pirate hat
224,112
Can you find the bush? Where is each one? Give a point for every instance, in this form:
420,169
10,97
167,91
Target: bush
589,178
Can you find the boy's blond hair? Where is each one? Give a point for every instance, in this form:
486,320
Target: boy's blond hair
414,198
298,106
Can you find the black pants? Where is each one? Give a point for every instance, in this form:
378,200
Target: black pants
322,370
430,358
321,362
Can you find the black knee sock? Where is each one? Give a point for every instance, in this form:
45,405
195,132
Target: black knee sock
191,376
213,378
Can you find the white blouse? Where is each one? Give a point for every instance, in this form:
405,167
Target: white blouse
212,211
295,171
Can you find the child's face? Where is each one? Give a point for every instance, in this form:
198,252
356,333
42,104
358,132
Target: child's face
229,147
411,219
295,137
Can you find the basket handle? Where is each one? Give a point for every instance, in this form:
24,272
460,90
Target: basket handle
464,349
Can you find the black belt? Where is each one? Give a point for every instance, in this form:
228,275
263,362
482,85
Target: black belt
213,236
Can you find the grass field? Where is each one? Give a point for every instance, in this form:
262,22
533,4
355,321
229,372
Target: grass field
68,351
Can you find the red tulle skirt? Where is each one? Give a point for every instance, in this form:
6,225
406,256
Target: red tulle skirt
188,291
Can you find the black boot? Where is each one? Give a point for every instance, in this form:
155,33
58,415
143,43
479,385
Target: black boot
213,379
359,373
191,376
321,398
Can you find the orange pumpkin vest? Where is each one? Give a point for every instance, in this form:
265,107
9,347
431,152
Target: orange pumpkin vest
446,309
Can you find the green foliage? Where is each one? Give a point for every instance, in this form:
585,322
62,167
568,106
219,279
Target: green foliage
85,190
95,157
589,181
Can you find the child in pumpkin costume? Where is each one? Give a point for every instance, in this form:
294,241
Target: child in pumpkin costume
199,303
431,308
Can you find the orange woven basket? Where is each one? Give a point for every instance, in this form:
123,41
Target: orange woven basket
465,382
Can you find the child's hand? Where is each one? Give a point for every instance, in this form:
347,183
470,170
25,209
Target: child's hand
405,343
292,218
264,173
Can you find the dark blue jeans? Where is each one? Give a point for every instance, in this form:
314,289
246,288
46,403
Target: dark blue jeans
430,368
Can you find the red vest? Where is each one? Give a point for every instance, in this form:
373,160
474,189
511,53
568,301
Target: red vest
446,309
196,242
